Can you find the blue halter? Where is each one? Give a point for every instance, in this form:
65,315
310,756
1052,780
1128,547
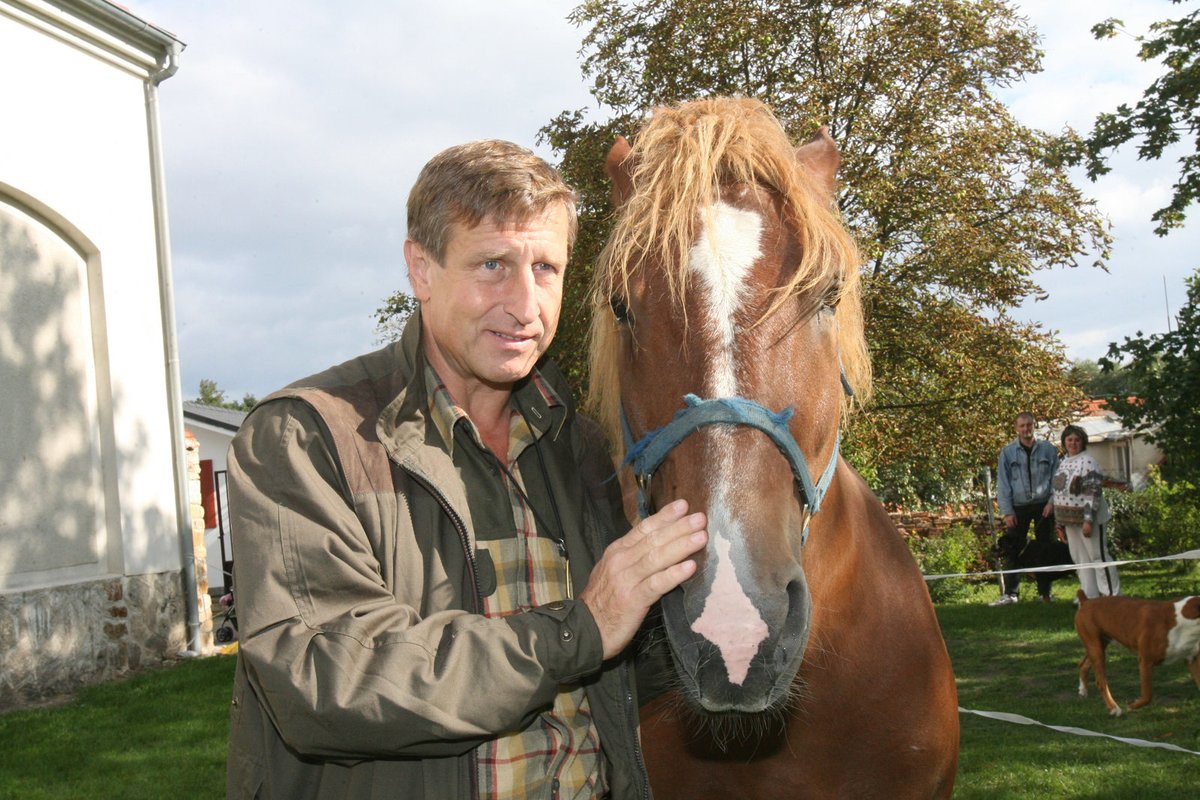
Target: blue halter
646,455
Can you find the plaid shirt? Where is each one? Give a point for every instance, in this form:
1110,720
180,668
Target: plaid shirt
558,755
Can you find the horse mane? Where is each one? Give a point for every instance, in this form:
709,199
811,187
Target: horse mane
682,156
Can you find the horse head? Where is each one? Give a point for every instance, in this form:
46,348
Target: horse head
727,331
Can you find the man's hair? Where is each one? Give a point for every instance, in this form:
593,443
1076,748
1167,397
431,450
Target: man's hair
491,179
1024,415
1076,431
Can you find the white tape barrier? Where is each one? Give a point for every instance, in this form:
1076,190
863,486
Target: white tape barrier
1017,718
1192,554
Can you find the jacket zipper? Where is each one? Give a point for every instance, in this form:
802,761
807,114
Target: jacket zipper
463,538
633,723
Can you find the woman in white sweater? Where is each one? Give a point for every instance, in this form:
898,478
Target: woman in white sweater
1081,513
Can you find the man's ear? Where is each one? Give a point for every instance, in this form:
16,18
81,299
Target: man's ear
419,264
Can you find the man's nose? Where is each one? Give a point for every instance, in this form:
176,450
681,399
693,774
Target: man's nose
521,301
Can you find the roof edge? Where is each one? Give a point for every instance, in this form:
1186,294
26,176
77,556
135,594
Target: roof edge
120,22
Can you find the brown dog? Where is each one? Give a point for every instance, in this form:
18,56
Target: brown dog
1159,631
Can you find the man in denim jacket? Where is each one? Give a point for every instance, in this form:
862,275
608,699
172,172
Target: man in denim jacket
1023,476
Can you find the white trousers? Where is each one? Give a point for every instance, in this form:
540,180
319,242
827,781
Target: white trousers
1094,581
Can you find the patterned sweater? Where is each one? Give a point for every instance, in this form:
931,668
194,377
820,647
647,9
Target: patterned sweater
1078,495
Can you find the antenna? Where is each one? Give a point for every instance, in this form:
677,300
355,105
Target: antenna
1166,303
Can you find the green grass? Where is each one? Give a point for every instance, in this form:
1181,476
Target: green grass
159,735
162,734
1023,659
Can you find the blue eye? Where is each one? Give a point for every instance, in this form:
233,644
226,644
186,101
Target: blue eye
491,265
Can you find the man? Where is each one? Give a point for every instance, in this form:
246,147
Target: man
1023,475
410,527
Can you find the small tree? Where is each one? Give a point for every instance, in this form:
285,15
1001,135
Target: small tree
1164,377
391,317
1166,114
212,395
1086,375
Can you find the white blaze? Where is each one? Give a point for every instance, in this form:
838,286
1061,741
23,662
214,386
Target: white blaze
721,258
730,620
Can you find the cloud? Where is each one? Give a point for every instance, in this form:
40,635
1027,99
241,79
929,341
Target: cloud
293,131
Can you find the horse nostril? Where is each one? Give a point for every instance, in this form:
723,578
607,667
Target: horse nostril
795,629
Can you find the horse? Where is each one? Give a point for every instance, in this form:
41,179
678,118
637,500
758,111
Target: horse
726,348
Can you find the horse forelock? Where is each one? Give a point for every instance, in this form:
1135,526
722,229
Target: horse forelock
684,157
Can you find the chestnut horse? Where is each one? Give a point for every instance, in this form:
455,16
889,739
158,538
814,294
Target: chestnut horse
805,656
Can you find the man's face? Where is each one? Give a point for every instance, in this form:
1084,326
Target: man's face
490,308
1024,427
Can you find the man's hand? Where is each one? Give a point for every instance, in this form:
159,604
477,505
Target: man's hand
1087,529
1010,520
1048,510
639,568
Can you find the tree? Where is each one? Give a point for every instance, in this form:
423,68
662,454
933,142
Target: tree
392,315
211,395
1167,112
1164,374
955,204
1087,376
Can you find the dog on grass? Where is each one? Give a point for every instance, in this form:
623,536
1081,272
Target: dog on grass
1159,631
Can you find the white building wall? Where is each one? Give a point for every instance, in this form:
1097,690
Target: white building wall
91,491
81,150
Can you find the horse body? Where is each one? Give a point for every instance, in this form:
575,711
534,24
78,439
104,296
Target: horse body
807,660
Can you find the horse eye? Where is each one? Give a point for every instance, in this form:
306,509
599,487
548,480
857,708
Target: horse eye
833,296
619,309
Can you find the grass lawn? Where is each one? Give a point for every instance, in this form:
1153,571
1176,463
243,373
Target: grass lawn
162,735
1023,659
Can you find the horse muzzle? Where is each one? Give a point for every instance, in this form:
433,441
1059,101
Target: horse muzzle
738,653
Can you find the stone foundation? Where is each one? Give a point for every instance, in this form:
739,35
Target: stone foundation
54,641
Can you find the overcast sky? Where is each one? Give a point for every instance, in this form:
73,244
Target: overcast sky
294,130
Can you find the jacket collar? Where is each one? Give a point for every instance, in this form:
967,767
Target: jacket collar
404,426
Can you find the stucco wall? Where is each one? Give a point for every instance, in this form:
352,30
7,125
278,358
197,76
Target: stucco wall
75,155
90,528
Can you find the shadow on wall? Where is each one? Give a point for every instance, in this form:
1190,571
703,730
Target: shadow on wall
68,613
50,489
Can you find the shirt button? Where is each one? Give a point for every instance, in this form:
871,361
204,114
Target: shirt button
557,605
567,634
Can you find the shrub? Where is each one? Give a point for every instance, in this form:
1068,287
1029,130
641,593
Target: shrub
957,549
1159,519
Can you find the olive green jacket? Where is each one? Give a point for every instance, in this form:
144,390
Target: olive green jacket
365,670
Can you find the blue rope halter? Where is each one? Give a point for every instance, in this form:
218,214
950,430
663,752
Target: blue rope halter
651,450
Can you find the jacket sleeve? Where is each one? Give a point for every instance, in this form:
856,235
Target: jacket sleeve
1003,486
345,669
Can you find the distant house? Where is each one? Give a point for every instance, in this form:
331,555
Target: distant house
1124,455
214,428
95,529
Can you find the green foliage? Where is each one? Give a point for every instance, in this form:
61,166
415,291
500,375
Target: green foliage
1168,113
955,204
1160,519
1164,377
212,395
954,550
391,317
1089,378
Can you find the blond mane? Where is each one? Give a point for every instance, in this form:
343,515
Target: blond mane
682,157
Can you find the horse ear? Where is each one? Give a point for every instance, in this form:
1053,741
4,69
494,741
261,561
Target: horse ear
619,170
820,157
